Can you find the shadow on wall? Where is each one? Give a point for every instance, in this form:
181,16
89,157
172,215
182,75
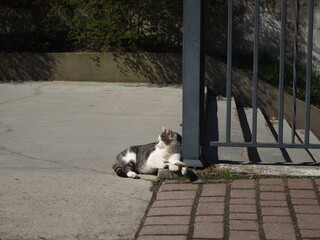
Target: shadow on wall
158,68
269,32
20,67
242,82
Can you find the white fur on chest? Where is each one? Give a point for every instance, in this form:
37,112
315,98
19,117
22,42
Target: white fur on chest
155,161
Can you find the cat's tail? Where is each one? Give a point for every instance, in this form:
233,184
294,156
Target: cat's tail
118,169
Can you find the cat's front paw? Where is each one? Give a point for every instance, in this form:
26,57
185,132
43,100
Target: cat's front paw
173,168
184,170
132,175
183,167
180,164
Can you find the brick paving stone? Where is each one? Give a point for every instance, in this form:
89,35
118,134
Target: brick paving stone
306,209
302,194
279,231
302,201
212,190
315,234
212,199
163,237
210,208
273,203
243,225
243,183
175,203
271,181
168,220
243,201
317,181
243,216
275,211
271,188
243,235
243,193
272,196
209,219
243,208
277,219
308,221
208,230
300,184
170,211
177,186
164,229
173,195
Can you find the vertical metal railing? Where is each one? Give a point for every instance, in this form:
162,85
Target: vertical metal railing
255,71
309,70
281,71
229,73
294,73
193,81
255,87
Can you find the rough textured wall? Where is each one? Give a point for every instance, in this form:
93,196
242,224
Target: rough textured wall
270,26
160,68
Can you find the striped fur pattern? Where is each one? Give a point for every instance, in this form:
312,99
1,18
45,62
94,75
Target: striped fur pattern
148,158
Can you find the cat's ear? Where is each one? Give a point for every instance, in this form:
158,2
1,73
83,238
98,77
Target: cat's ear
164,129
170,133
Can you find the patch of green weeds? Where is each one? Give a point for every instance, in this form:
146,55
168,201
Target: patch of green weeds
269,72
158,181
213,173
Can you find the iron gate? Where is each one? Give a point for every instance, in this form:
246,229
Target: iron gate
194,86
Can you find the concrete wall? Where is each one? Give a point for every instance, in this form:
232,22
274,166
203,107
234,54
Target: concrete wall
216,72
270,26
128,67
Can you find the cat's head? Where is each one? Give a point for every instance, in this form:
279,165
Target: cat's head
168,138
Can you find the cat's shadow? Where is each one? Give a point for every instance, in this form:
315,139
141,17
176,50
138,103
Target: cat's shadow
192,176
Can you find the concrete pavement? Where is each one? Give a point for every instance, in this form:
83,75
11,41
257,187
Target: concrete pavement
58,141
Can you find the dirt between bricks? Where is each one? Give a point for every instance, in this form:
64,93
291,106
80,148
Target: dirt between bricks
234,209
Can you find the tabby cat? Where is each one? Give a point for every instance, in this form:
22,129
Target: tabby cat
148,158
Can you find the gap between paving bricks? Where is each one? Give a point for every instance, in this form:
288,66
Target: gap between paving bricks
276,210
291,209
259,212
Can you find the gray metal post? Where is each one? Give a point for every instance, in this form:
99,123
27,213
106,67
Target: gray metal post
192,78
255,71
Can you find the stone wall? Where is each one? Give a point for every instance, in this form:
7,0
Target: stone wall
108,67
270,26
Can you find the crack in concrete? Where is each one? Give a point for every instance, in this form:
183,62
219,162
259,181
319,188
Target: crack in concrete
36,92
8,128
9,151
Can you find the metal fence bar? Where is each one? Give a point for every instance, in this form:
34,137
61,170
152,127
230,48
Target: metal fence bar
264,145
281,71
192,78
294,70
229,72
309,70
255,71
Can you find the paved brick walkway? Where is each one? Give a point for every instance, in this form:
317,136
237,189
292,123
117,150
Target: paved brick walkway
265,208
